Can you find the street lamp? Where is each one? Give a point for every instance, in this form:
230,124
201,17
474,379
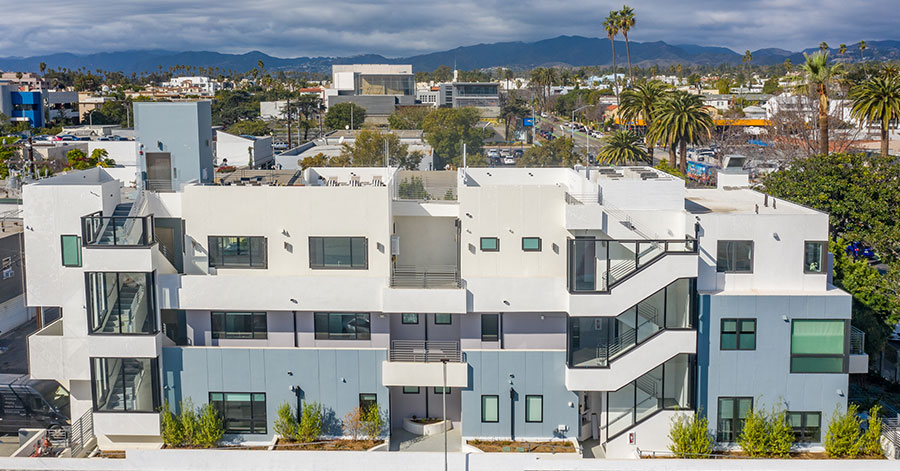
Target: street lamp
91,118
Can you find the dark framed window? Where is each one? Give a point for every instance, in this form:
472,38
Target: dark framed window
342,326
410,390
443,319
71,250
241,412
815,256
531,244
125,384
818,346
738,334
237,252
409,318
731,416
367,400
239,325
490,408
807,426
490,244
534,408
346,253
440,390
734,256
490,327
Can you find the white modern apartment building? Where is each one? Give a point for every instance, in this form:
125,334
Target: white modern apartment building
589,303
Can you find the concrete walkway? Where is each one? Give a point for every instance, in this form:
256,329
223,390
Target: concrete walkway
593,449
401,440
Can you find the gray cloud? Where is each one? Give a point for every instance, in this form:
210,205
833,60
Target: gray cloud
289,28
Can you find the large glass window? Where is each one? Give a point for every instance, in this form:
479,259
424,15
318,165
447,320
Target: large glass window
338,252
818,345
732,414
121,303
738,334
241,412
814,257
125,384
734,256
239,325
490,408
71,250
342,326
237,252
534,408
807,426
490,327
385,84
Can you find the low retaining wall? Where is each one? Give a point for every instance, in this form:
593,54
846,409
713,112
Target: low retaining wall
426,429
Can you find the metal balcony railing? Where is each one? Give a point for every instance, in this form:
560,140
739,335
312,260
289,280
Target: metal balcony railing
99,230
425,351
857,341
430,277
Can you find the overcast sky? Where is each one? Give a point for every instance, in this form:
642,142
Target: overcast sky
293,28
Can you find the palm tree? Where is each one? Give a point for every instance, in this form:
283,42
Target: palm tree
626,22
862,47
819,73
823,46
877,100
621,147
681,120
43,67
611,24
788,65
746,60
842,49
641,102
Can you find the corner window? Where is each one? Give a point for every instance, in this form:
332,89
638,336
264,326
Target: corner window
490,244
409,318
125,384
731,416
814,257
71,250
237,252
734,256
490,408
239,325
345,253
121,303
818,346
534,408
342,326
443,319
410,390
367,400
738,334
241,412
490,327
807,426
531,244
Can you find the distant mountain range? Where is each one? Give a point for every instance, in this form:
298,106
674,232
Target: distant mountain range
560,51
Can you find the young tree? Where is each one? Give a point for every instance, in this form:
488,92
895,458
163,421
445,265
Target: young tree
556,153
353,423
842,438
209,427
447,129
369,146
310,427
285,424
755,434
690,436
373,422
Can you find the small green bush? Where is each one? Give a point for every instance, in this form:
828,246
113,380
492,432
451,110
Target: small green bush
190,424
170,427
842,438
690,436
373,422
781,435
870,441
311,423
754,437
210,429
285,424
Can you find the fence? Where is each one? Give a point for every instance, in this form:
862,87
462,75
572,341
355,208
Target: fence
82,432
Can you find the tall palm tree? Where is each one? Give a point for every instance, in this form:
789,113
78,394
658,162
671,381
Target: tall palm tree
842,49
877,100
788,65
823,46
746,60
862,47
621,147
641,102
681,120
626,22
43,67
819,74
611,24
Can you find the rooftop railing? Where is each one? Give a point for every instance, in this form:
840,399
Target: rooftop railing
596,265
100,230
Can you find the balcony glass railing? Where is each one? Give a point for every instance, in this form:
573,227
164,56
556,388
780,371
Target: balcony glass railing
596,265
596,341
99,230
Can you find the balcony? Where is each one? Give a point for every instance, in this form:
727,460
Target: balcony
859,360
421,363
118,230
598,265
428,277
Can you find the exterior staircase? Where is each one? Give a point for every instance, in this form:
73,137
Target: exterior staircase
118,226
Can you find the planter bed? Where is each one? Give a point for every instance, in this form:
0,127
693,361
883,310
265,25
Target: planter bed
507,446
329,445
798,455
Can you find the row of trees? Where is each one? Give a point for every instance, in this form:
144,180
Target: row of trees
368,423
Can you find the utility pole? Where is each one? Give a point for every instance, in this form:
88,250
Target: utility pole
290,140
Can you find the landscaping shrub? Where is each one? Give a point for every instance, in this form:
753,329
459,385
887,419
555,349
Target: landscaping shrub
210,429
870,441
285,424
842,438
190,424
353,423
781,435
690,436
373,422
311,423
170,426
754,437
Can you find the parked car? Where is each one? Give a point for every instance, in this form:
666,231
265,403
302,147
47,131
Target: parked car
509,160
518,153
493,153
544,115
30,403
506,152
596,134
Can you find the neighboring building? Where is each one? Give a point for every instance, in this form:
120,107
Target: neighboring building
592,304
430,96
241,150
13,312
61,105
485,96
378,88
87,102
28,81
26,106
175,143
203,86
332,145
754,112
